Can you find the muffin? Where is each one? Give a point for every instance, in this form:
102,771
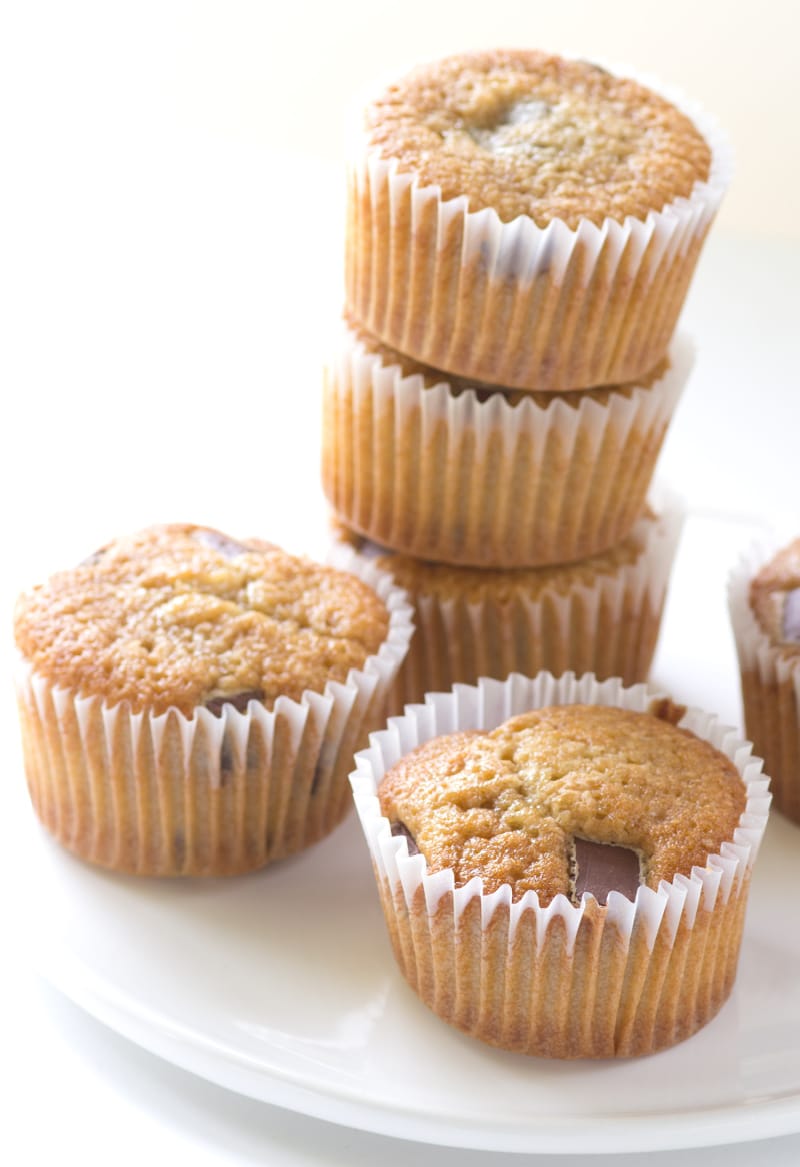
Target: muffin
190,703
466,474
526,220
599,615
764,602
563,864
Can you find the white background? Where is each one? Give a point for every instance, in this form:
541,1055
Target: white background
172,233
170,267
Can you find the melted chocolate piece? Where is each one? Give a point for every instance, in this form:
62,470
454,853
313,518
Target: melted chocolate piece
665,709
402,829
226,546
791,616
600,868
239,701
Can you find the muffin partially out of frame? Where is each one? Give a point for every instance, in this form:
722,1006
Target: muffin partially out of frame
563,864
190,703
526,220
764,604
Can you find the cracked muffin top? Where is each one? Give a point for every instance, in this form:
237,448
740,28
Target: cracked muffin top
566,799
775,598
182,615
528,133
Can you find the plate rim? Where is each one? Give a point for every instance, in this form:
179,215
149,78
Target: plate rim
204,1055
199,1053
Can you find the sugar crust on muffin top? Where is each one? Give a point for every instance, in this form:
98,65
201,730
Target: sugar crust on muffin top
182,615
508,805
529,133
775,598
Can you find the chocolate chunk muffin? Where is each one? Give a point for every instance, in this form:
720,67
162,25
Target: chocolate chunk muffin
600,615
527,220
181,616
457,472
764,601
190,702
513,806
524,132
563,864
775,599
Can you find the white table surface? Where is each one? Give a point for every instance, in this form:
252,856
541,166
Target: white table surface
164,339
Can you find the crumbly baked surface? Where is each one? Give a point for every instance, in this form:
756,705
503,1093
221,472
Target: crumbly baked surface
775,598
507,805
181,615
391,358
529,133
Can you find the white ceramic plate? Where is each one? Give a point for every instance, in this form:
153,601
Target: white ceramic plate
281,985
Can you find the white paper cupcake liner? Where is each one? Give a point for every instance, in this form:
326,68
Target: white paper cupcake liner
169,794
770,683
509,622
471,479
561,980
514,304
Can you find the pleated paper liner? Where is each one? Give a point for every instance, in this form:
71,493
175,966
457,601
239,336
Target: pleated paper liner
601,615
205,795
770,681
471,477
561,981
514,304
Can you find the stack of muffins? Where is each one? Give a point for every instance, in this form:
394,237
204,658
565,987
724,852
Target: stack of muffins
521,235
522,232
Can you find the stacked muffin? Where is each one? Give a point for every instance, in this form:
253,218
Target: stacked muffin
521,235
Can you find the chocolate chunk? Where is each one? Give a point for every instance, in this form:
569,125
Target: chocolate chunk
603,867
226,546
402,830
791,616
665,709
239,701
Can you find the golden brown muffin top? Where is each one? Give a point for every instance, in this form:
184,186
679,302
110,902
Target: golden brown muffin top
181,615
527,133
475,584
509,805
408,367
775,598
